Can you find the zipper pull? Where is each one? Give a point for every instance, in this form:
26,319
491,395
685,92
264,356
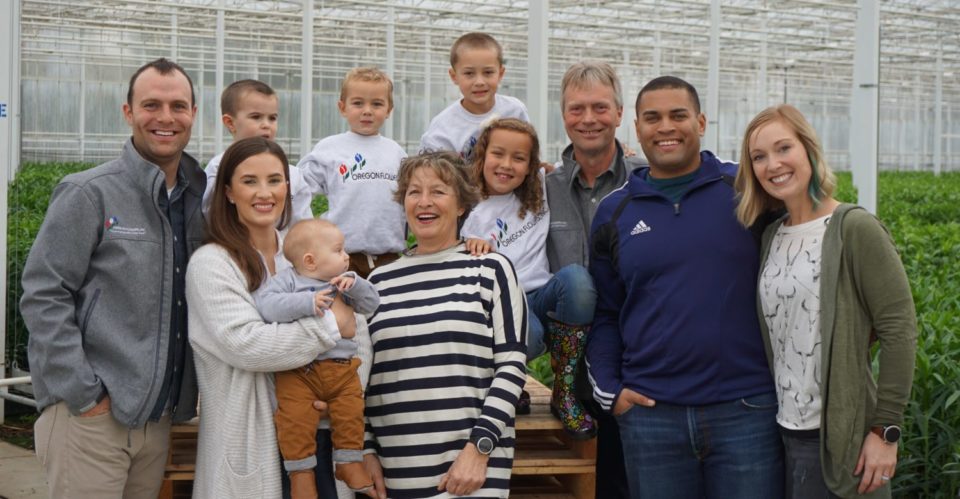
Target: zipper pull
676,208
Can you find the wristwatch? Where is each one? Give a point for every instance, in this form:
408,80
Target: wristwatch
484,445
889,434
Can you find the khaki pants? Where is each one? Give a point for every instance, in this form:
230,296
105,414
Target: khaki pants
334,381
363,264
99,457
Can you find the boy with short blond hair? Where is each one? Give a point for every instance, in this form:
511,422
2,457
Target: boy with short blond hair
250,109
357,171
315,248
476,67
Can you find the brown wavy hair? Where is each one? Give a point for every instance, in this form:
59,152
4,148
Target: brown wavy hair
223,224
530,192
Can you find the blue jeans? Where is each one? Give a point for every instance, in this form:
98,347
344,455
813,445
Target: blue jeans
568,297
730,449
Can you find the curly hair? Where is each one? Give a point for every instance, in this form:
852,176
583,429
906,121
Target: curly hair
530,191
448,166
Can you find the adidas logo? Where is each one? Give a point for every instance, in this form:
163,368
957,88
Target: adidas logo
640,228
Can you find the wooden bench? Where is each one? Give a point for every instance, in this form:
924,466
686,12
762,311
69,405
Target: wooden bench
547,464
181,462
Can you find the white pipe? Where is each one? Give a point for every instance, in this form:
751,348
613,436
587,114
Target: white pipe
23,380
306,79
9,142
865,104
18,399
538,47
218,123
712,136
938,114
391,58
427,90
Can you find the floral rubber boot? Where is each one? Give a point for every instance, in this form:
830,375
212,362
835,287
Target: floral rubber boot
566,344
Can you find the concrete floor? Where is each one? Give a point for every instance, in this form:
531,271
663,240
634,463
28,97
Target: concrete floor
20,474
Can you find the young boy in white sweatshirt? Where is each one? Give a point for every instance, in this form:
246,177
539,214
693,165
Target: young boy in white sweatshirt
476,67
357,171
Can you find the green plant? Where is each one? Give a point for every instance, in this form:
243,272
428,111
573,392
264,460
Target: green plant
29,195
540,369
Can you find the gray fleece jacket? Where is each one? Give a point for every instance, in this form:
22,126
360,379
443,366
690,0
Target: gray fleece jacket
568,238
98,287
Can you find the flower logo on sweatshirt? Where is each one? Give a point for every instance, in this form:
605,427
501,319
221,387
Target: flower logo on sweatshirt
467,152
501,230
358,163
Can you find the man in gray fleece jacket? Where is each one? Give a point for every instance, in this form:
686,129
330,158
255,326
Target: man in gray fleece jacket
594,165
104,301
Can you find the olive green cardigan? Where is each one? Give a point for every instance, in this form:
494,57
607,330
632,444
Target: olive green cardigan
863,289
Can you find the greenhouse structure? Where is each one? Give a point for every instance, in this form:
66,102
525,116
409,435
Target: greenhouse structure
878,79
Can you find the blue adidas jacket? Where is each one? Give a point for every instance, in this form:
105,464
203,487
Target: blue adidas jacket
676,318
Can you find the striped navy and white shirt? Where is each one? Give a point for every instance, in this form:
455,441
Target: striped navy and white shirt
448,362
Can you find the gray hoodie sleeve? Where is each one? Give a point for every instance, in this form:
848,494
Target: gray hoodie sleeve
278,302
362,296
55,271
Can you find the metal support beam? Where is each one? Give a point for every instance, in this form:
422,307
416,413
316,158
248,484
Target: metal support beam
218,123
938,115
427,90
762,97
391,58
657,56
4,394
538,45
711,140
9,146
82,119
865,104
199,136
306,79
174,37
917,125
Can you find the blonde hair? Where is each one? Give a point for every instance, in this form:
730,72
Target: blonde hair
370,75
586,74
530,191
754,201
474,40
302,238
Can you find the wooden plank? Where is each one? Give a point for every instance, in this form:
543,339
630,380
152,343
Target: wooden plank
179,477
582,486
527,459
537,420
175,468
559,470
166,490
539,394
185,428
536,484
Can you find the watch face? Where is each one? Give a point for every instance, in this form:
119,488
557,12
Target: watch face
484,445
891,434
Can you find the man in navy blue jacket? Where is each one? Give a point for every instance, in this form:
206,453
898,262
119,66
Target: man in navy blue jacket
675,353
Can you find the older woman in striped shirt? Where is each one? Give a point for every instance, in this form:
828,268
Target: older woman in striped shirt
449,350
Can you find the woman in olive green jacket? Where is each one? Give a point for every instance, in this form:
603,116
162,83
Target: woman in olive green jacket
831,284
